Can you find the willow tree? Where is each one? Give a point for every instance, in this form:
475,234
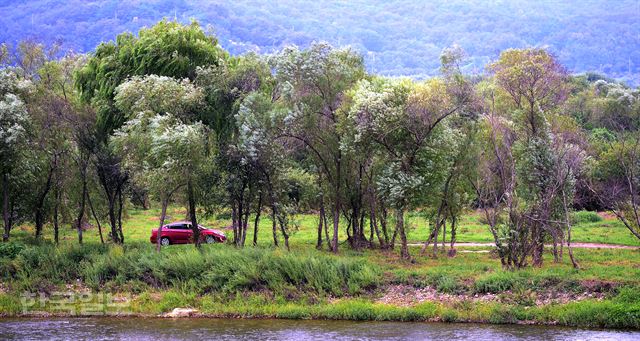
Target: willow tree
165,49
259,149
533,86
163,153
159,105
313,82
225,89
14,125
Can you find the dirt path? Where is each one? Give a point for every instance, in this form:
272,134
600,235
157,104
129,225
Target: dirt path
574,245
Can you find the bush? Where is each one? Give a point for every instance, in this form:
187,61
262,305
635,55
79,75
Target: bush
497,282
173,299
449,315
445,283
629,295
11,249
502,314
583,217
9,305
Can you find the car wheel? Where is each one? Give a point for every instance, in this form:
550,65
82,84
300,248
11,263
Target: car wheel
210,240
165,241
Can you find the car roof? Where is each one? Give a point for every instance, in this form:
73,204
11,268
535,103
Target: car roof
181,222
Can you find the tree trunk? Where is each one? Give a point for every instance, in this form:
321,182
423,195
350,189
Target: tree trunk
163,215
404,249
336,209
256,222
323,213
192,213
444,233
239,220
112,219
538,247
234,220
371,231
81,211
274,223
392,244
56,226
568,222
120,208
383,224
95,216
452,246
320,221
39,211
284,234
336,223
436,233
245,224
5,207
373,222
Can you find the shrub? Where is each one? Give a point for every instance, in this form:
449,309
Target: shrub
497,282
583,217
449,315
11,249
502,314
9,305
628,295
173,299
445,283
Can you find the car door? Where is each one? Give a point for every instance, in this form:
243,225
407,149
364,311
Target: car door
188,233
181,234
172,231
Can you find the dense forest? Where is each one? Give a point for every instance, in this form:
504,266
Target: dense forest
395,38
169,116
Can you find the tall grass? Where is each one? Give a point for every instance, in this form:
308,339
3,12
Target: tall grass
213,269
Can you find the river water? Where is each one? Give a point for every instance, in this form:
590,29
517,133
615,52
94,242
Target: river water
240,329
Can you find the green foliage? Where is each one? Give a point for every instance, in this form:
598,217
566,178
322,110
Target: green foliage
11,250
497,282
583,217
628,295
14,117
9,305
166,49
597,314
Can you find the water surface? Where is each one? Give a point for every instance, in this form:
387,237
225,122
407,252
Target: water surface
104,328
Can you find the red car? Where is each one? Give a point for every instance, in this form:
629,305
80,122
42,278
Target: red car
180,233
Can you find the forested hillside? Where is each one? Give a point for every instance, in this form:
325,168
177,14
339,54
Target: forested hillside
396,37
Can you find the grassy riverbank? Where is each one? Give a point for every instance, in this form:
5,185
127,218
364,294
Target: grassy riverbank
371,285
305,283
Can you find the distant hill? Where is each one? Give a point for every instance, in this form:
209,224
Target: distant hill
396,37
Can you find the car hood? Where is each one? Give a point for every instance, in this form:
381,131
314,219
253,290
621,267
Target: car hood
218,232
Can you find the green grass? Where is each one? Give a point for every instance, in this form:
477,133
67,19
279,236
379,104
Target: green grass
138,224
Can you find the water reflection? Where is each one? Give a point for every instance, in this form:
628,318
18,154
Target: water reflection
236,329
